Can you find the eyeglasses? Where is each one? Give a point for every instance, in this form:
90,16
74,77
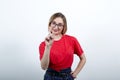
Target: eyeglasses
54,24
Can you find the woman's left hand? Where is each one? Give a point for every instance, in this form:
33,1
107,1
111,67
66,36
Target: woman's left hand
73,75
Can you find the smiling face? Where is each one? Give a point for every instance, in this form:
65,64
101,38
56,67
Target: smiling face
56,26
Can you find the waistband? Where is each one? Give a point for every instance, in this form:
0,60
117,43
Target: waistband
61,73
67,70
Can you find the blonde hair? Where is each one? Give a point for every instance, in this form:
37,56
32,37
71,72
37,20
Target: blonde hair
59,14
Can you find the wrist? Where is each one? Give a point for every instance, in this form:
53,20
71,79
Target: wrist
48,46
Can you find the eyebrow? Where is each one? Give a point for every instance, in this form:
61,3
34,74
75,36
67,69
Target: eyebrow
57,23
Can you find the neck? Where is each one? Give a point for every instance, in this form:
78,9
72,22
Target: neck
57,37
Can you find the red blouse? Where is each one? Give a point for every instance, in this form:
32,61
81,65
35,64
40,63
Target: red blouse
61,53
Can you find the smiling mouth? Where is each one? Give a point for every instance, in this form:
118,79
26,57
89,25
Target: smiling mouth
55,30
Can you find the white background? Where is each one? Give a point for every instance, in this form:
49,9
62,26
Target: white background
23,25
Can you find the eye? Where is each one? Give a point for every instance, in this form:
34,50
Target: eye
54,23
60,24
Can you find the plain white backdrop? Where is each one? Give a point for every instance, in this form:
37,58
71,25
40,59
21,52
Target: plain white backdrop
24,24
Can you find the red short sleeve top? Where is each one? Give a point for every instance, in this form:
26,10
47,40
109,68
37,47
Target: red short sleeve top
61,53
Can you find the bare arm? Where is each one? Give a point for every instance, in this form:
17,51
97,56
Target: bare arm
46,56
79,66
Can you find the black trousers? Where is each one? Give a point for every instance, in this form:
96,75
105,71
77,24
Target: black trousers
61,75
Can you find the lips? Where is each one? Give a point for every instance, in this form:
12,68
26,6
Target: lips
55,30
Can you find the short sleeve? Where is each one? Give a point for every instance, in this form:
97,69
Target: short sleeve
41,49
77,48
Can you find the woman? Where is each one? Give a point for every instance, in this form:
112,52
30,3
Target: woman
56,52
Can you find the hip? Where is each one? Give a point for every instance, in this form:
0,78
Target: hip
64,74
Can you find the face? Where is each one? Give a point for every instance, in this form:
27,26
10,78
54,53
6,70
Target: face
56,26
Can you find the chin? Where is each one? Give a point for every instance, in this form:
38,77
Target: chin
56,33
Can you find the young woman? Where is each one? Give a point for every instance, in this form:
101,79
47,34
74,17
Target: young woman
57,50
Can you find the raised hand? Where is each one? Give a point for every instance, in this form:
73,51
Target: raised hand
49,39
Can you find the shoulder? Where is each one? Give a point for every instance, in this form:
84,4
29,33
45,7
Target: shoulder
69,37
42,44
